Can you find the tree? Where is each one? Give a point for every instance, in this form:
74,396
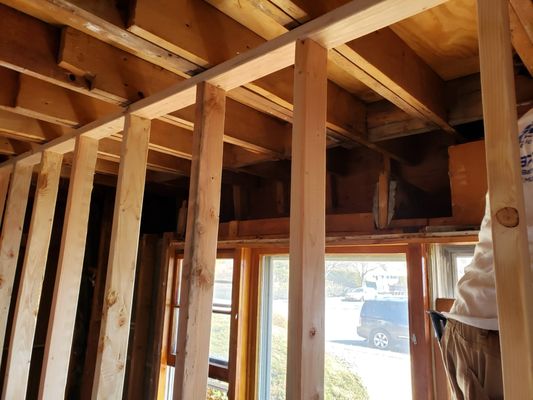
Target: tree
365,268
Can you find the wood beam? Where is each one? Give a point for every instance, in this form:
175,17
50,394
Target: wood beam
58,104
372,59
514,280
414,87
345,23
62,108
12,226
138,384
127,83
20,127
305,354
164,308
69,270
31,278
520,37
170,147
48,102
116,313
5,176
25,35
193,39
192,357
383,194
6,147
524,11
385,121
346,115
123,83
59,12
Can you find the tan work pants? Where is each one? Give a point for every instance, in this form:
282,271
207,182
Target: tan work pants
473,363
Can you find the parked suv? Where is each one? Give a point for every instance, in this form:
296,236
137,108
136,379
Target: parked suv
384,322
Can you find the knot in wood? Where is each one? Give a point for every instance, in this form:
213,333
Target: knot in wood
43,183
508,217
312,331
111,299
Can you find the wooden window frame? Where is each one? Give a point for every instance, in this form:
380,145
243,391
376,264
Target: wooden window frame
418,301
217,371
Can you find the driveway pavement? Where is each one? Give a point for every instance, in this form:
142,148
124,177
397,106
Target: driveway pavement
386,374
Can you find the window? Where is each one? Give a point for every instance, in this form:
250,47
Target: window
448,263
461,261
219,346
362,290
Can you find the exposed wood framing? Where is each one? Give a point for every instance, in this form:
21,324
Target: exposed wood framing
419,328
514,280
13,224
372,59
521,15
21,127
188,37
305,353
5,176
464,105
31,278
59,11
121,85
192,355
13,49
115,326
249,129
138,377
383,194
98,297
69,270
343,24
162,319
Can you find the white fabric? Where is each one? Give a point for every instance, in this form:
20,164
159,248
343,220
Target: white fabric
475,302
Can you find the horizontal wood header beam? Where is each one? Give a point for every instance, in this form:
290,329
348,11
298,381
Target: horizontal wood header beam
339,26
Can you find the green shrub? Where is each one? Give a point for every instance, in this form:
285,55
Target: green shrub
214,394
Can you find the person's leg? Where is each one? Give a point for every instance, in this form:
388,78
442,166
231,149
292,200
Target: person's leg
451,361
490,364
472,360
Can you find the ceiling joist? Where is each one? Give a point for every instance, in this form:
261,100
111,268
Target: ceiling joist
345,123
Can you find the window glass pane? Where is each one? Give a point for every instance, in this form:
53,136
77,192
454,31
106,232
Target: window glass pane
447,264
216,390
174,331
221,303
177,280
461,262
219,340
169,384
367,349
273,351
365,363
223,283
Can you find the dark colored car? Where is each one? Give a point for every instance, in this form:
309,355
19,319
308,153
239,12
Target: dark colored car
384,322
